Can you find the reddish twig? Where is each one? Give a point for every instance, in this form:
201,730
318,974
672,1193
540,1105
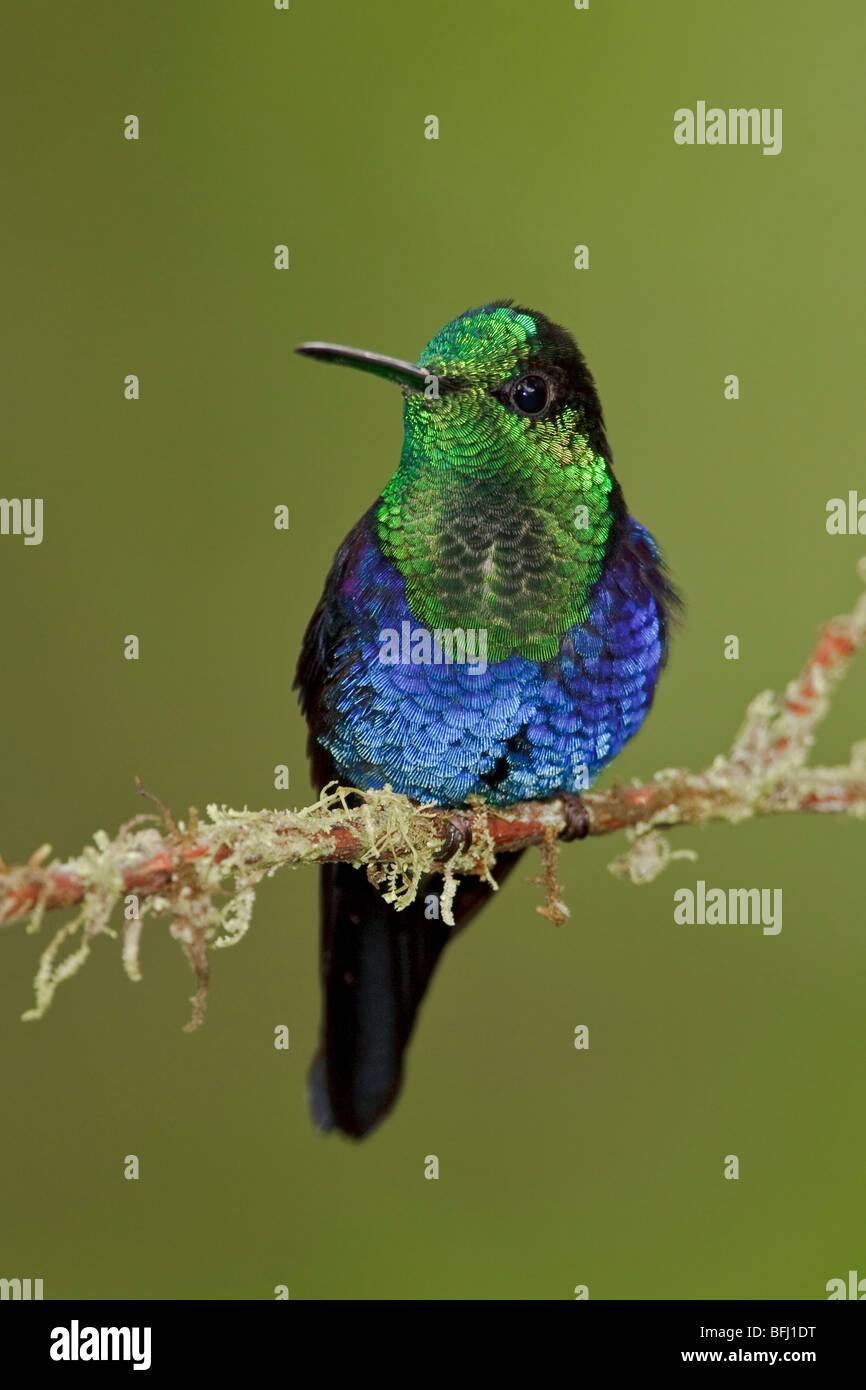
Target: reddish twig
177,870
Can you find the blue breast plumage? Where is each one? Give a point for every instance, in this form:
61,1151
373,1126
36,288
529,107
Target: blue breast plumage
506,731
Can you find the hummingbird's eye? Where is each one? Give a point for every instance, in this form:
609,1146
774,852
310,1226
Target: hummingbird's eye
531,395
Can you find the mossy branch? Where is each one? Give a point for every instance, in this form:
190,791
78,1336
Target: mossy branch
201,875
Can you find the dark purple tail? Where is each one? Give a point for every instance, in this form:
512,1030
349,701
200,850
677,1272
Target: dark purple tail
376,965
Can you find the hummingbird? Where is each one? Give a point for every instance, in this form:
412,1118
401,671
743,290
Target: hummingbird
502,538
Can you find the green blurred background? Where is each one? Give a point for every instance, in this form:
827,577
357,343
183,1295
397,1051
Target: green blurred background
259,127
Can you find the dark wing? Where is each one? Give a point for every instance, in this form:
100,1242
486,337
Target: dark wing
329,632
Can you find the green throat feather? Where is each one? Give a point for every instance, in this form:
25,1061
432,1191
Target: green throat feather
496,520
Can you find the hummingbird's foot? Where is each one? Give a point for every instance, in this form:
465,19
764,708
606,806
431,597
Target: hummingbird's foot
576,817
458,834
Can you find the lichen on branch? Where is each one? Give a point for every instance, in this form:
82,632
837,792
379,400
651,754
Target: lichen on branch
201,875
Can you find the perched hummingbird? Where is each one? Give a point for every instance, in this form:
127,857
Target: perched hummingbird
503,520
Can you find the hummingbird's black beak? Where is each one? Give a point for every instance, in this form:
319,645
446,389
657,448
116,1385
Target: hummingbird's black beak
392,368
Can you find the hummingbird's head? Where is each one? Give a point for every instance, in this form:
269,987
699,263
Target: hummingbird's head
504,505
509,363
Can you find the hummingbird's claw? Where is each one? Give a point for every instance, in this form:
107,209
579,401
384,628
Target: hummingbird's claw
576,817
458,834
